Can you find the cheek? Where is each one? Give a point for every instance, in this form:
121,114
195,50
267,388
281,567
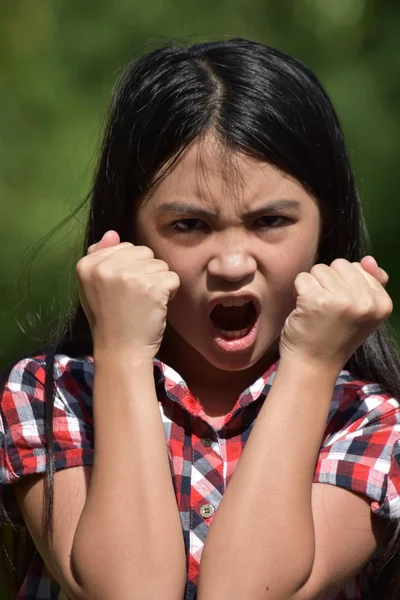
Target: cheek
281,280
187,297
301,254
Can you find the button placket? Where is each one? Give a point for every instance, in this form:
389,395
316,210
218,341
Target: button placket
207,441
207,511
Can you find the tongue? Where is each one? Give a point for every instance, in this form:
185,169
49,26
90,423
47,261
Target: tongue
231,318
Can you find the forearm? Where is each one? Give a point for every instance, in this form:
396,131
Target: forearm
261,542
129,543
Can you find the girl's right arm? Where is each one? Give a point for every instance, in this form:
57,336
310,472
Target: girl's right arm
117,527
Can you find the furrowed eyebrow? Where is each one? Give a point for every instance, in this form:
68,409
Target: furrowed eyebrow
278,205
183,208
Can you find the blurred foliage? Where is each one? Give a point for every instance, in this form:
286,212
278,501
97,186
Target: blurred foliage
58,62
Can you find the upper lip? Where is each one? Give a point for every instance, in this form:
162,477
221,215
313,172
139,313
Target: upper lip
248,297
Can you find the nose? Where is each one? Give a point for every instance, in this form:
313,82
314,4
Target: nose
232,262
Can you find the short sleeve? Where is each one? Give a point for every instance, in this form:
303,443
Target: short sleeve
361,449
22,417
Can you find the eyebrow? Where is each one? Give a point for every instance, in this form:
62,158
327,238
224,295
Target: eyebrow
182,207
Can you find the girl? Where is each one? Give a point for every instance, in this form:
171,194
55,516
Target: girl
219,418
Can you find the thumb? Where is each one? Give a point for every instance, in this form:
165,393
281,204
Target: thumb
370,265
110,238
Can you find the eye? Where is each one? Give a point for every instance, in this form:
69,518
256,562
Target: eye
188,225
272,222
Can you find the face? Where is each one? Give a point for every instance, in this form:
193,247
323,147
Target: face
241,230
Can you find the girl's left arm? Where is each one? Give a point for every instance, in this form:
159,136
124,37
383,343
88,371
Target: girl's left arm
276,535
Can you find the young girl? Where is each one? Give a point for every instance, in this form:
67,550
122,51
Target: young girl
219,419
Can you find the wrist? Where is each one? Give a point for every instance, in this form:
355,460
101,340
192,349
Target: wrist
299,367
125,358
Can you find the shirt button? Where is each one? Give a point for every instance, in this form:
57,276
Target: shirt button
207,511
207,442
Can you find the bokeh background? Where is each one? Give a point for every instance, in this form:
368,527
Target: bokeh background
58,62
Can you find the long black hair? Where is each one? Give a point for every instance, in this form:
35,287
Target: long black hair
257,101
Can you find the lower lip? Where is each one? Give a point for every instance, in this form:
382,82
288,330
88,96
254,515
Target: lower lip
236,344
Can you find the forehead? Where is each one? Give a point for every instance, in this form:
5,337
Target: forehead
210,174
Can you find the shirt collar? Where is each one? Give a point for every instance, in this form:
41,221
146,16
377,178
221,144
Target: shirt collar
177,389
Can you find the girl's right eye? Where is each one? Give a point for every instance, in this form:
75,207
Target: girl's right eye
188,225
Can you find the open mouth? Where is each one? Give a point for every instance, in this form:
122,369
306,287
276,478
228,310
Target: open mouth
234,321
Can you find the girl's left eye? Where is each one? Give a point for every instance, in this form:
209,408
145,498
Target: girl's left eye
188,225
272,222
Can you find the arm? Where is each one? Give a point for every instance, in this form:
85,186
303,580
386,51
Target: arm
130,526
276,535
268,537
128,541
264,523
117,532
117,527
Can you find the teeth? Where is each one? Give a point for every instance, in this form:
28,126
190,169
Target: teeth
234,302
235,334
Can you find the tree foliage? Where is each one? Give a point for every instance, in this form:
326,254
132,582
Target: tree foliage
58,62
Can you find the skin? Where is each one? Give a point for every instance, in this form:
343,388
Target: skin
325,533
228,253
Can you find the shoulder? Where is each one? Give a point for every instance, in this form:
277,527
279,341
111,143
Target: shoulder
360,450
39,392
357,404
31,372
29,380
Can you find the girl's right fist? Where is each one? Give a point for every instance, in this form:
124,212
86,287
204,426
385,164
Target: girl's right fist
124,292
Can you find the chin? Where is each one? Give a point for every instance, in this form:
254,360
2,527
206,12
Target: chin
196,348
241,361
232,363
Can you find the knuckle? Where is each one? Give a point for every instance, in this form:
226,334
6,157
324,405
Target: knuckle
81,268
319,269
386,308
345,304
144,251
100,270
316,268
368,307
174,277
365,308
303,276
321,303
339,263
162,264
128,278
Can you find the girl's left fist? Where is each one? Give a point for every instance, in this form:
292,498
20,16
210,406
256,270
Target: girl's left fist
337,309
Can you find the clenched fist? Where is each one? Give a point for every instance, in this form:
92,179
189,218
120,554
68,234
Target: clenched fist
124,292
337,308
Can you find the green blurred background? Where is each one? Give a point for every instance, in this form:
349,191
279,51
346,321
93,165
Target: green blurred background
58,62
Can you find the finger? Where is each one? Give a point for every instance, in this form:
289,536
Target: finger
110,238
326,276
142,266
353,276
306,284
370,265
371,279
172,282
135,252
384,277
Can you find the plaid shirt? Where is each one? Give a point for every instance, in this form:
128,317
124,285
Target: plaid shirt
360,450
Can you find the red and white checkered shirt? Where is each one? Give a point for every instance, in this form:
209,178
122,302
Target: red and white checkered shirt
360,449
